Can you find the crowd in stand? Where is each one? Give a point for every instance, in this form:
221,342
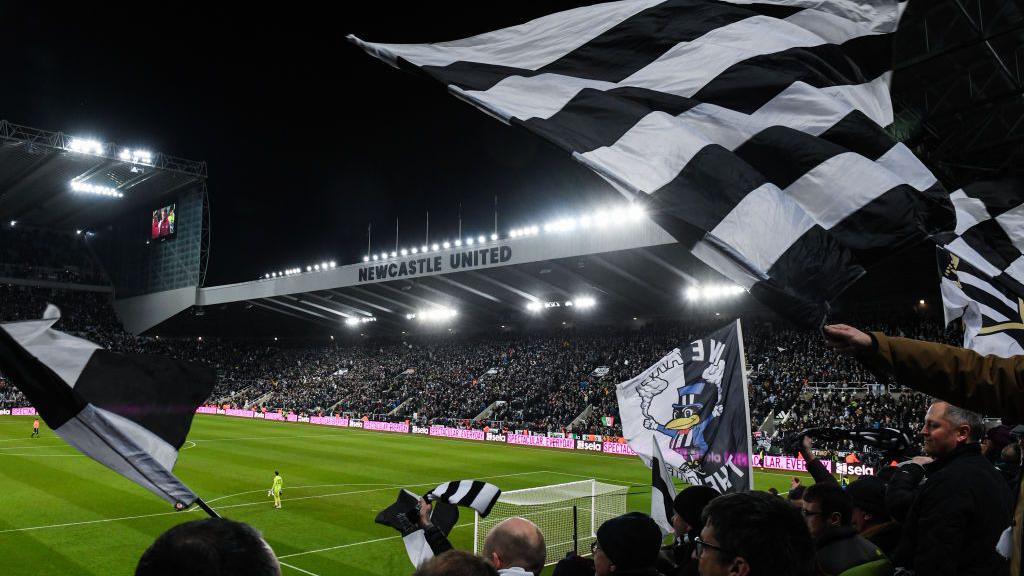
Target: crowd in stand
47,255
540,381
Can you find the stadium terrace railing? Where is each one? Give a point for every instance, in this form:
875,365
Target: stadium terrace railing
585,442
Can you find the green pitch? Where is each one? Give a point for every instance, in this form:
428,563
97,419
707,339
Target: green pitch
65,514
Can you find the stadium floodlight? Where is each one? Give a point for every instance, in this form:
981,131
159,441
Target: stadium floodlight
584,221
458,242
410,316
405,252
552,304
96,189
513,233
469,241
494,236
367,258
78,231
534,230
601,218
136,156
481,239
415,250
86,146
265,276
713,292
309,268
569,304
351,322
636,212
438,314
13,222
316,267
375,257
534,306
394,254
447,245
332,264
425,249
435,247
585,302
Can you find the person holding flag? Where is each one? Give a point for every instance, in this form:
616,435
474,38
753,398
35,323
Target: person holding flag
275,490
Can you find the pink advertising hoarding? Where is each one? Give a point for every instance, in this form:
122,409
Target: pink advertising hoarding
446,432
543,441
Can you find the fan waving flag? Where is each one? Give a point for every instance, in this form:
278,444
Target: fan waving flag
751,131
982,267
130,412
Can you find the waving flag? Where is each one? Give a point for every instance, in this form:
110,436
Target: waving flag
750,130
130,412
982,267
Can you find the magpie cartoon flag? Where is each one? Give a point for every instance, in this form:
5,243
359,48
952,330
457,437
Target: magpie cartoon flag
130,412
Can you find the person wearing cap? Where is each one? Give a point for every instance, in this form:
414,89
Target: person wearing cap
627,545
870,516
677,559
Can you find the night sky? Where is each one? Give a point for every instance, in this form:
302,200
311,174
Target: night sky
307,138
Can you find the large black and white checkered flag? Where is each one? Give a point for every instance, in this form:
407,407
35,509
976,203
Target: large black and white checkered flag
130,412
751,130
982,267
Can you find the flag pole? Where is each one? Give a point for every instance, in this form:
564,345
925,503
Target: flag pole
206,508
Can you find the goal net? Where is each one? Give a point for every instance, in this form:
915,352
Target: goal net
568,514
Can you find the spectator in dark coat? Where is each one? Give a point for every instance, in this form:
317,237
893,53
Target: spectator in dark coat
958,514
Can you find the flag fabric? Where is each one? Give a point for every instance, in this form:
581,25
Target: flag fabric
982,266
663,491
751,131
695,404
479,496
130,412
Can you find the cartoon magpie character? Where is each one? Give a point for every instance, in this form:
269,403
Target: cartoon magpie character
686,428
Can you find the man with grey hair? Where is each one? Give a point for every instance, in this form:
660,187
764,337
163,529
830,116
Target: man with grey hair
516,548
959,505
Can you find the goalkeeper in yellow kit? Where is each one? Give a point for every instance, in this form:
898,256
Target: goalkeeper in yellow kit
275,490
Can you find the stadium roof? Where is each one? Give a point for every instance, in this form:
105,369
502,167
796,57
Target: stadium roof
958,90
52,180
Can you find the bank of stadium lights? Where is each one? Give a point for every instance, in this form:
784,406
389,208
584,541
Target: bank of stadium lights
86,188
433,315
580,303
713,292
86,146
136,156
359,321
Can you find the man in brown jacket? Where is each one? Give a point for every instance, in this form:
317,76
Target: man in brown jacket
986,384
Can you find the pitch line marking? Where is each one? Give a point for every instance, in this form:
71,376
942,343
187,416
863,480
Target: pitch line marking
361,542
262,502
296,568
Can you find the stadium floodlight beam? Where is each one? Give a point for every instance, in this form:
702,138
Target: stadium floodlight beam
436,314
534,306
713,292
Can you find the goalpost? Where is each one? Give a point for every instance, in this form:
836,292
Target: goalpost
568,514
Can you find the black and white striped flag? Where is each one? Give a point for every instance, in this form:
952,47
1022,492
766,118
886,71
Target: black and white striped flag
663,491
751,130
130,412
982,267
479,496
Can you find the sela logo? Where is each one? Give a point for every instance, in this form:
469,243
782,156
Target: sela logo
355,423
420,430
492,437
585,445
844,468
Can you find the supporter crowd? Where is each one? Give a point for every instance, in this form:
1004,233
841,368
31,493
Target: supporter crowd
47,255
541,381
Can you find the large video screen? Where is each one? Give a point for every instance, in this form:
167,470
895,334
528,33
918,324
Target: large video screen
163,225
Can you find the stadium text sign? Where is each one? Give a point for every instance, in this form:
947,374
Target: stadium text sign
412,266
447,432
543,441
785,463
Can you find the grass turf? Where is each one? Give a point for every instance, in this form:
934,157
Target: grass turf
65,514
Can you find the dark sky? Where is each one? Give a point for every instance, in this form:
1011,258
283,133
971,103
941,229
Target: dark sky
307,138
